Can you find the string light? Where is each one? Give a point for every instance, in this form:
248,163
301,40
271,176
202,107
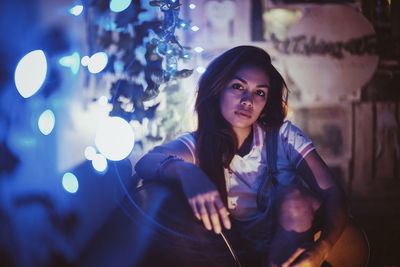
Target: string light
195,28
198,49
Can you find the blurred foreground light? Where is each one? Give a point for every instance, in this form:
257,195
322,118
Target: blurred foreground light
30,73
90,152
98,62
72,61
195,28
119,5
99,163
76,10
192,6
115,138
70,182
46,122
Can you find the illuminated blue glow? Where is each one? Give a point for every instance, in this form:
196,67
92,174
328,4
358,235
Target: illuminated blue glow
70,183
46,122
90,152
97,62
99,163
30,73
115,138
119,5
76,10
72,61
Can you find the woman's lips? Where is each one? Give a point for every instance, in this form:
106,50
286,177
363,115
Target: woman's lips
244,113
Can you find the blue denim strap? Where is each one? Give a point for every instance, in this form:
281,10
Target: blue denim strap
264,191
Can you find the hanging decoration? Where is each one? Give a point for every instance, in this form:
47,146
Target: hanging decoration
143,54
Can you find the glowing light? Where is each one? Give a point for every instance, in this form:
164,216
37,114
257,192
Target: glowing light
97,62
76,10
46,122
85,61
119,5
30,73
195,28
115,138
72,61
103,100
200,69
192,6
99,163
198,49
90,152
70,183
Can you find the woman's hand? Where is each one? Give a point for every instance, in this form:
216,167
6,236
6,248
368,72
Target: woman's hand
204,198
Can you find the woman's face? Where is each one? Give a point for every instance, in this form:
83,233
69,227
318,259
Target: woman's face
244,97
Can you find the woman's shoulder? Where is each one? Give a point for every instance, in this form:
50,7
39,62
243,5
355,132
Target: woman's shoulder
289,128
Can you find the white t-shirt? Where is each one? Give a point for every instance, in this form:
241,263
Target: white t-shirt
246,173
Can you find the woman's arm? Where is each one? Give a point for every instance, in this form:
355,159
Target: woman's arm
148,167
334,205
174,162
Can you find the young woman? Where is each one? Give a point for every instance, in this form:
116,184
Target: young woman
222,164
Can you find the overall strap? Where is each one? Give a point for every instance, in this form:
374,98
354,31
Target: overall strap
263,193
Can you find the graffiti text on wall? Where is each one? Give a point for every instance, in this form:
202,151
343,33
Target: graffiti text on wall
310,45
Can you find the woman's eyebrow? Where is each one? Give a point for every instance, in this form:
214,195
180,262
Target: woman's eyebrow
245,82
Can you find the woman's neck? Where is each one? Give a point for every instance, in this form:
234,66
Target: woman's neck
245,138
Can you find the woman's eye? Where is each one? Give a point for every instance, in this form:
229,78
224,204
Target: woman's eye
260,93
237,86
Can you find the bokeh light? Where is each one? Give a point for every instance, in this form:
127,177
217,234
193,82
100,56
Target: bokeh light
76,10
90,152
70,182
46,122
200,69
72,61
30,73
85,61
115,138
97,62
99,163
119,5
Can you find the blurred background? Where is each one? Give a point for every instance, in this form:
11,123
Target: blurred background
87,87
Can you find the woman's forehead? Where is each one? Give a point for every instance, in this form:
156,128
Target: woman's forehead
252,74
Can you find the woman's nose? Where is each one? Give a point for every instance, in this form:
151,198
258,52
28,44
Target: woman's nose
247,99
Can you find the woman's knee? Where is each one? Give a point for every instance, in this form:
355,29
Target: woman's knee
296,210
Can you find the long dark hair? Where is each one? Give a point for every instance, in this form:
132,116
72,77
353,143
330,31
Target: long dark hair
216,142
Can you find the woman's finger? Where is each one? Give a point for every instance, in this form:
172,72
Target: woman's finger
204,214
223,213
192,203
212,211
